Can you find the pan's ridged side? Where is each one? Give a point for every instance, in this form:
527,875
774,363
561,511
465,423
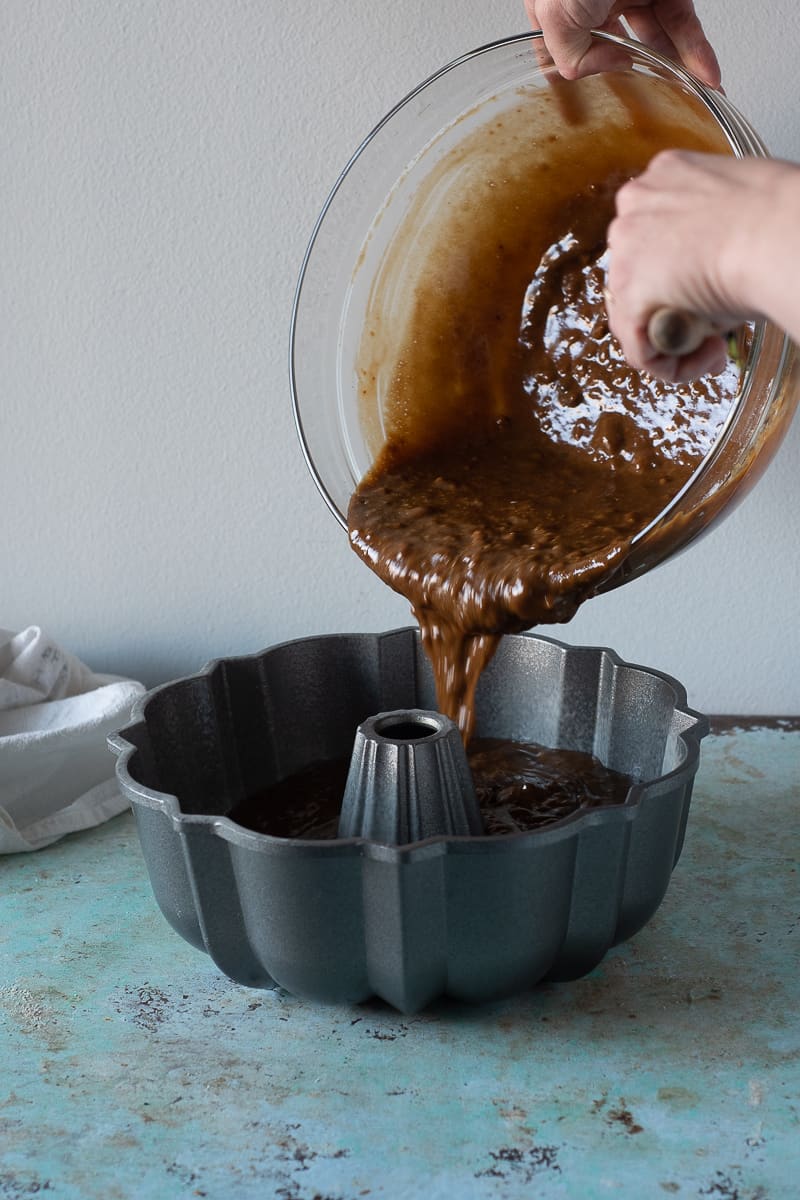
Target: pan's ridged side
474,918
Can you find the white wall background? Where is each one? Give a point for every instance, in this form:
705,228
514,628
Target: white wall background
163,162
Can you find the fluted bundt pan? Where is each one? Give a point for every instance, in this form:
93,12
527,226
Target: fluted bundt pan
470,917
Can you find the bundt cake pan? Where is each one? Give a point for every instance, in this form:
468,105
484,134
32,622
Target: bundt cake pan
473,918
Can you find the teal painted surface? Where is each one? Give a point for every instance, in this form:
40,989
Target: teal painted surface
132,1068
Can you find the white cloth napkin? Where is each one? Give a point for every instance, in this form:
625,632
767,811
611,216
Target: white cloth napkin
56,771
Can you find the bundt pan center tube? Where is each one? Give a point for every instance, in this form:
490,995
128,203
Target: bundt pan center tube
471,917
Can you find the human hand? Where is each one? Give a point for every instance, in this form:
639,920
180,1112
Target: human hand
709,235
669,26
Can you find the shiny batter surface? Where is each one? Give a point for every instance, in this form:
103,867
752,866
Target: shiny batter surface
520,787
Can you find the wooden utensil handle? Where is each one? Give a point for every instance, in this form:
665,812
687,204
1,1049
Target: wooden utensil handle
672,331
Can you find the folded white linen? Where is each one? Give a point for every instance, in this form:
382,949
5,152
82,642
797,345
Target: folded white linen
56,772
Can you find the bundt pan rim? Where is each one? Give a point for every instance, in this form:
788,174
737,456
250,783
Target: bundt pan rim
229,830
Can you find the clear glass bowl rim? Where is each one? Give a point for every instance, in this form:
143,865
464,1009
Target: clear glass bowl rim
744,141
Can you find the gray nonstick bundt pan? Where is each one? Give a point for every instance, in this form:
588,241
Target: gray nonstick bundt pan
469,917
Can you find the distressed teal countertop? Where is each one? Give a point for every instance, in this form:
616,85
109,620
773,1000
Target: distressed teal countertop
132,1068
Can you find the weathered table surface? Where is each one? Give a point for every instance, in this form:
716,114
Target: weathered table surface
132,1068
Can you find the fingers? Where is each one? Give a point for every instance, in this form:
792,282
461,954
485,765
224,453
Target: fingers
672,28
567,33
710,359
669,174
629,325
653,259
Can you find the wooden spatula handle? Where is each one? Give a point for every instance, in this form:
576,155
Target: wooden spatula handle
672,331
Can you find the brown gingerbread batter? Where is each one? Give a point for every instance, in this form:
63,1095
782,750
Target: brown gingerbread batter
521,453
520,787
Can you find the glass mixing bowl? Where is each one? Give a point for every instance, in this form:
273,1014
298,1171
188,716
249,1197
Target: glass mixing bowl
341,436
